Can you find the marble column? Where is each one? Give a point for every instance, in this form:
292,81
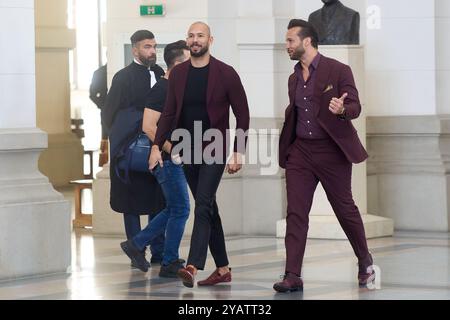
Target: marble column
63,160
35,219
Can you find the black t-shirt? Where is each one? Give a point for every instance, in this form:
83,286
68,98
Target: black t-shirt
194,101
156,99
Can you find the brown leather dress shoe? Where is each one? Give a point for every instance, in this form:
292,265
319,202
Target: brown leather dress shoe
187,275
290,283
215,278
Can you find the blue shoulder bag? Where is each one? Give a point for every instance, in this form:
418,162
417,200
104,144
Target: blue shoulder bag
134,156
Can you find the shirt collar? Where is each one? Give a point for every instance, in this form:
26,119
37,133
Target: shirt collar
315,61
139,63
313,64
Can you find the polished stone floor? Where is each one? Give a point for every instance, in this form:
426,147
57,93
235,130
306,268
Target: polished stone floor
412,265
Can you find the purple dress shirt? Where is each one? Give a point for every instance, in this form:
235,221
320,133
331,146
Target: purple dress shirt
307,125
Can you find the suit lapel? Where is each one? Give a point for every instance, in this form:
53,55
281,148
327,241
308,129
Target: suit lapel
212,79
293,87
181,84
322,79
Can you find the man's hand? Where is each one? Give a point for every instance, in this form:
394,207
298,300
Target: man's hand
177,159
337,105
155,158
235,163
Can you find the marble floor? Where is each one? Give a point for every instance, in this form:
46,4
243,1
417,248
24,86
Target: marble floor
411,265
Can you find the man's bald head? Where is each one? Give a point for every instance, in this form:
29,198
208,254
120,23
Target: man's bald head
200,27
199,39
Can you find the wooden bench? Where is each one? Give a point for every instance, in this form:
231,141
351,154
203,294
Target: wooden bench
81,219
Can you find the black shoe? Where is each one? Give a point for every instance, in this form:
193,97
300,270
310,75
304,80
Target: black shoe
134,266
137,258
170,271
156,260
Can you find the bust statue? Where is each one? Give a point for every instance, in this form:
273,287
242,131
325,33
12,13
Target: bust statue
336,23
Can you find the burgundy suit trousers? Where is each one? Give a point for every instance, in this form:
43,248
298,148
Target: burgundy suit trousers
310,162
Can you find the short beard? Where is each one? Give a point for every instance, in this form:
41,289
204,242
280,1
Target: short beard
298,53
199,54
150,62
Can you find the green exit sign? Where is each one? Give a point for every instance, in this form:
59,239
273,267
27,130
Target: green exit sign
154,10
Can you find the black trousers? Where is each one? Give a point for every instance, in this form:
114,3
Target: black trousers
203,180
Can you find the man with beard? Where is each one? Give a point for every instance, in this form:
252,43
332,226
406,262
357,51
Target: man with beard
201,91
125,105
318,143
172,220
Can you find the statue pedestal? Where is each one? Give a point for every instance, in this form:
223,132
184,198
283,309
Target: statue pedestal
323,224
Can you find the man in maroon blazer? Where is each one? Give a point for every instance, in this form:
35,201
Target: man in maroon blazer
318,143
201,91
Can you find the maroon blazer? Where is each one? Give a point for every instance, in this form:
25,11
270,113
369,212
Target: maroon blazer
332,80
224,89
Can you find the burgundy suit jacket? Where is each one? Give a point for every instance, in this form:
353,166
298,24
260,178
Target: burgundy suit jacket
332,80
224,89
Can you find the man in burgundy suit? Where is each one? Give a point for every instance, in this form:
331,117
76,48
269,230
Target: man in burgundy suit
318,143
201,91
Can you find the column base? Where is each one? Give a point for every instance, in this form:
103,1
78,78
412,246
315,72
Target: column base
328,227
35,233
35,238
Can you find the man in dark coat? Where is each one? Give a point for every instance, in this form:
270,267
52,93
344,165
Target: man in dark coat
122,116
97,93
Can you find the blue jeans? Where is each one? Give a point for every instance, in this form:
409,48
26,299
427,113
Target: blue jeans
132,224
172,219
